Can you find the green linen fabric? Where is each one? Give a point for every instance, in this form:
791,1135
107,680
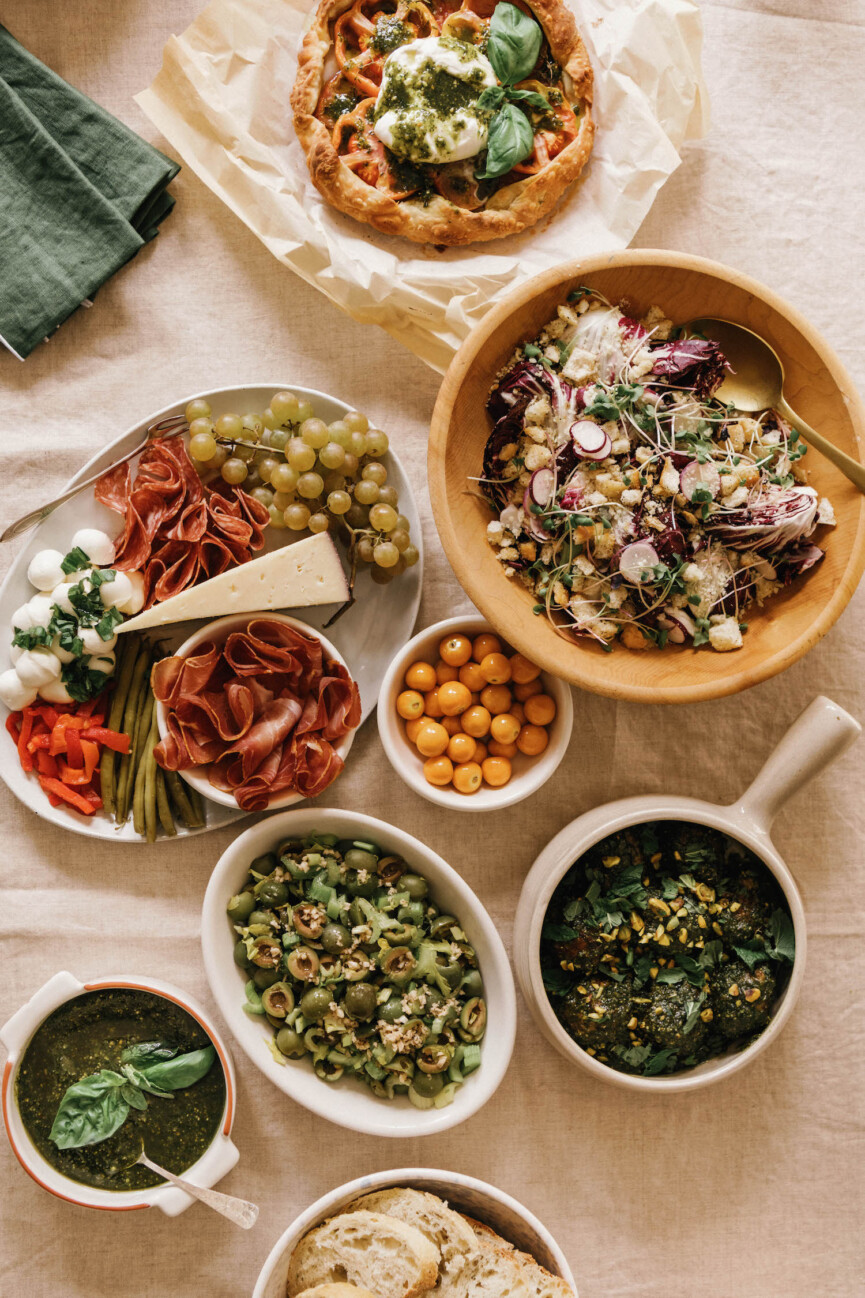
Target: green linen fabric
80,194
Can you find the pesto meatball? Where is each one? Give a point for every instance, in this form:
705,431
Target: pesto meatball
599,1015
582,952
742,998
665,1019
744,911
702,852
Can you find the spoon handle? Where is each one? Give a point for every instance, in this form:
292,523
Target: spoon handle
240,1211
851,468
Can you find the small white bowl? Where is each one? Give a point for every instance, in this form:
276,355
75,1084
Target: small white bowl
529,773
820,735
350,1103
218,631
216,1161
465,1194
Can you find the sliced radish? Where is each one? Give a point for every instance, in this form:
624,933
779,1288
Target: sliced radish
590,439
542,484
682,620
696,475
637,558
531,522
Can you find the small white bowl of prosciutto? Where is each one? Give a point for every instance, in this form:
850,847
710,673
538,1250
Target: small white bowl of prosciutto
256,711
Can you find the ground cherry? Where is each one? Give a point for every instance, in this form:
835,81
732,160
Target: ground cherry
496,669
540,709
505,728
481,753
468,777
522,670
496,698
454,698
409,705
517,710
496,771
524,692
446,672
485,644
476,722
438,770
472,676
421,676
432,739
432,707
461,747
452,725
497,749
532,740
456,650
412,728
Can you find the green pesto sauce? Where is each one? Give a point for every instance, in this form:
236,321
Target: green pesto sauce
438,99
89,1033
341,104
389,34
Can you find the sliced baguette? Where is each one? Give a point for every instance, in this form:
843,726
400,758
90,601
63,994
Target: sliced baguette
485,1237
541,1283
496,1273
448,1231
369,1250
337,1290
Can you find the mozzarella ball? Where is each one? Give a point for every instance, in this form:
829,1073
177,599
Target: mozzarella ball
116,593
13,692
60,596
22,618
55,692
98,546
36,667
41,608
136,601
15,652
102,663
62,655
93,642
45,570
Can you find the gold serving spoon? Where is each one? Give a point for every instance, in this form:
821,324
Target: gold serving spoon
240,1211
164,428
757,383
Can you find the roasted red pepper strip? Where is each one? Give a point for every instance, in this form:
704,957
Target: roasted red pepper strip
24,753
45,763
74,799
73,773
119,743
73,749
39,741
13,727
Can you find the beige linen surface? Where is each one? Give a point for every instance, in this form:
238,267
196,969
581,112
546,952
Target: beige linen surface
750,1190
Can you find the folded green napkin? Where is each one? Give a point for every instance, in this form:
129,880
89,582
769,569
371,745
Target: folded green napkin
80,193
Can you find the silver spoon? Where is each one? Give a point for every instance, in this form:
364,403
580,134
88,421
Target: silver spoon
240,1211
757,383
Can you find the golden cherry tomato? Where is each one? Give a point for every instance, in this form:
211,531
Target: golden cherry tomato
454,698
412,728
431,704
524,692
446,672
421,676
517,710
468,777
496,771
496,669
485,644
523,672
497,749
476,722
481,753
496,699
532,740
472,676
410,704
438,770
540,709
462,747
432,739
455,650
505,728
451,724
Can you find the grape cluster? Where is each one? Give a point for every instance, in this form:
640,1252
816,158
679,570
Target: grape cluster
309,475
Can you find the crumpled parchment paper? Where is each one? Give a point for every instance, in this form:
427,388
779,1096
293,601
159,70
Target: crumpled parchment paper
222,102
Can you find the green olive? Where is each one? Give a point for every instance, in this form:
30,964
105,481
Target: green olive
303,963
402,935
272,893
472,983
415,885
266,953
309,920
290,1043
451,972
391,1010
315,1004
265,978
241,907
390,868
335,938
278,1000
360,1000
434,1059
357,858
327,1071
240,955
264,864
263,917
398,964
473,1019
427,1085
361,883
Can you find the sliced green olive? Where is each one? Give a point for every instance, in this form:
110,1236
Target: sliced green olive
473,1019
265,864
392,1010
272,893
441,927
309,920
356,858
360,1001
398,964
278,1000
290,1043
427,1085
472,984
265,978
434,1059
390,868
335,938
303,963
315,1004
266,953
241,907
415,885
261,918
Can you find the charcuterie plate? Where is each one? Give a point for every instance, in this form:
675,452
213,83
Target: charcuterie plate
367,635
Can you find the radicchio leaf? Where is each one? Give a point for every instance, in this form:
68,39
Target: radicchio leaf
780,517
698,362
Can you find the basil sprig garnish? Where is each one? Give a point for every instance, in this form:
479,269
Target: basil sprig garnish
511,139
94,1108
513,48
514,43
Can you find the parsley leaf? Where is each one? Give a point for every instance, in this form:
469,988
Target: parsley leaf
558,933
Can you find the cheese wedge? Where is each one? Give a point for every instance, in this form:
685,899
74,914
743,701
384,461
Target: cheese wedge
294,576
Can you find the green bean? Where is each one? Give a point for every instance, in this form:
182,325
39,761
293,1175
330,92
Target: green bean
126,653
150,768
131,727
141,765
179,791
198,806
163,806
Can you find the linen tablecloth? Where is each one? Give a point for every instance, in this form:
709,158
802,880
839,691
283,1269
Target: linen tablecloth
752,1189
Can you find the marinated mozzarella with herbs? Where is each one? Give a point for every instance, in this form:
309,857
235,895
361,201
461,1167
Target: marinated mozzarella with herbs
427,111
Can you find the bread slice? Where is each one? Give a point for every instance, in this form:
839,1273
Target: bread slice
485,1237
369,1250
337,1290
496,1273
448,1231
540,1282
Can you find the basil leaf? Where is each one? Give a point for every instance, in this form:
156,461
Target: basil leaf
133,1096
783,936
558,933
137,1078
751,953
511,139
91,1110
183,1070
143,1053
492,98
530,97
514,43
74,561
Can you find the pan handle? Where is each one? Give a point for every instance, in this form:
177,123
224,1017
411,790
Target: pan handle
816,738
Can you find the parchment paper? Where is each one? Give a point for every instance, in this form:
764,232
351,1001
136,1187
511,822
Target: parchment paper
221,100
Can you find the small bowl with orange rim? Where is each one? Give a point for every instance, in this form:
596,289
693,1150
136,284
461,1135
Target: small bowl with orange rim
469,723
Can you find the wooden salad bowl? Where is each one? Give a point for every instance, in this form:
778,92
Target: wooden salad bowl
817,386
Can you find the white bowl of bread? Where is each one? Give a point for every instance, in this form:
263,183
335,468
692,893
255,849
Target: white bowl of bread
411,1232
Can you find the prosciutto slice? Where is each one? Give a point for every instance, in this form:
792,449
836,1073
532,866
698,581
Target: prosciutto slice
261,713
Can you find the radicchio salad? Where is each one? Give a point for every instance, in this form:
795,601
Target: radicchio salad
629,499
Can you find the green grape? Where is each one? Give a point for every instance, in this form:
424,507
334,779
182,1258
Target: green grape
282,499
269,419
376,442
266,466
318,522
386,554
332,455
402,521
278,438
382,518
314,433
357,444
234,471
310,485
365,549
350,465
356,422
297,517
401,539
285,407
374,472
277,519
357,516
229,426
381,576
334,482
304,411
299,455
253,479
197,409
339,432
339,502
266,434
243,451
284,477
255,425
388,496
366,492
220,455
197,426
410,556
263,495
202,446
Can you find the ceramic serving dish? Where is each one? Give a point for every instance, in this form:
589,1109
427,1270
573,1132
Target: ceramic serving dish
819,389
529,773
218,632
820,735
349,1103
465,1194
213,1165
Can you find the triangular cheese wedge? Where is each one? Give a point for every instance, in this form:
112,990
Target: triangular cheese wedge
295,576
